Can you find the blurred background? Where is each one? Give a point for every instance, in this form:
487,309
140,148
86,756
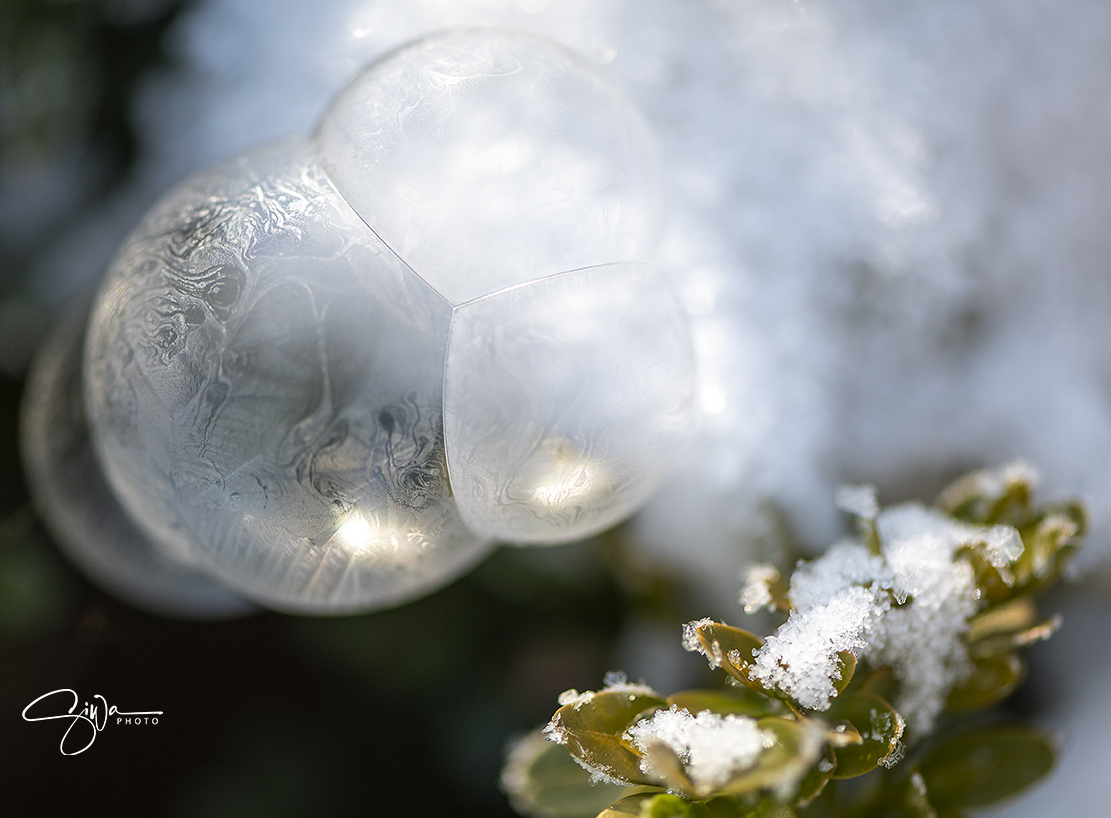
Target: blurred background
887,222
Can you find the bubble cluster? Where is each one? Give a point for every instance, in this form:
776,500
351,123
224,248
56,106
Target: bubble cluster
331,372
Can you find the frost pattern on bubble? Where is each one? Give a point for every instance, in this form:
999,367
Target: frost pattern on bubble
329,421
265,378
553,419
488,159
76,504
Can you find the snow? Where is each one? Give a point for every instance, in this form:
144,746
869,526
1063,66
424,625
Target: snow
756,591
848,562
692,643
1003,545
801,657
859,501
907,608
614,681
712,747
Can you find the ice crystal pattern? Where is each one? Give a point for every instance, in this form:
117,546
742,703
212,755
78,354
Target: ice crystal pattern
331,371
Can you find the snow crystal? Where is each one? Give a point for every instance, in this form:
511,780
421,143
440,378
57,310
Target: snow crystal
692,643
907,608
801,657
915,525
615,681
859,501
1003,545
847,562
922,641
756,591
615,678
573,696
712,747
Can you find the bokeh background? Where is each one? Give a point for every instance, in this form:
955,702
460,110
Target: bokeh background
888,223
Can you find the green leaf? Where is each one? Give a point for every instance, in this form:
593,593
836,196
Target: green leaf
1016,615
741,701
995,586
668,768
993,678
990,496
1048,546
815,781
666,805
630,805
544,781
846,669
731,649
843,734
591,729
881,682
914,798
985,765
1006,642
768,808
880,727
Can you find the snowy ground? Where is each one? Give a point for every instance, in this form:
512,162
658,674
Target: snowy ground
888,222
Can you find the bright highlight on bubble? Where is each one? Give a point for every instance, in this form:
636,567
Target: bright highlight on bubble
359,535
331,372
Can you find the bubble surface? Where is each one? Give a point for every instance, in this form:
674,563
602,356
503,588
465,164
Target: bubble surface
265,381
487,159
329,417
78,507
565,401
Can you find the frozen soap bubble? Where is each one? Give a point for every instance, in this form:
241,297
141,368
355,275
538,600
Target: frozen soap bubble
487,159
78,506
264,383
332,418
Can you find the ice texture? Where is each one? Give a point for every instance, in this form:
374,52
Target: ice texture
330,417
487,159
264,383
888,221
77,505
565,401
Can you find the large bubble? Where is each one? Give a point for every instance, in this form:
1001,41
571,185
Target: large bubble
331,373
487,159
